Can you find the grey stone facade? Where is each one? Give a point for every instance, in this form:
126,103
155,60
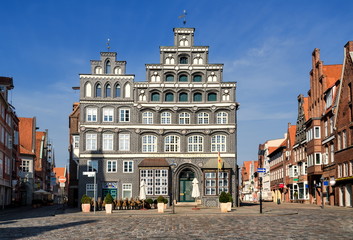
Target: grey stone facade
170,127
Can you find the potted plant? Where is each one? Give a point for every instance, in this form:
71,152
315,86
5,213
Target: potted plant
229,203
160,201
155,203
108,203
86,203
223,199
149,201
165,203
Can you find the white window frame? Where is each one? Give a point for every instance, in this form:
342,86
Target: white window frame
91,141
112,166
161,182
317,132
91,114
166,118
92,166
126,187
25,165
184,118
172,143
147,118
108,114
195,143
108,141
90,189
203,118
128,166
124,142
124,115
149,143
222,118
76,141
219,143
147,175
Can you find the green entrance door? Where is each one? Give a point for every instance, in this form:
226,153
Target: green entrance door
185,185
113,192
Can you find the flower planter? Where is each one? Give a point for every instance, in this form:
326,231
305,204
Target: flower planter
86,207
109,208
229,206
224,207
161,207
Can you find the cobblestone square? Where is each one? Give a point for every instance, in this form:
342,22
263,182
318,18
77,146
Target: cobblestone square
286,221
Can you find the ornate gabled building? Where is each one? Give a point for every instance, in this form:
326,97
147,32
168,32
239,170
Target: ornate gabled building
344,133
165,131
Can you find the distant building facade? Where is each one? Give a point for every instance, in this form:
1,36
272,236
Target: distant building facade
165,131
9,146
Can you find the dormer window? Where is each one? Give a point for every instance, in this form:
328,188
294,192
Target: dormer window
107,67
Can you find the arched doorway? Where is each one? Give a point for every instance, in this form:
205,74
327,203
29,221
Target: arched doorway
185,185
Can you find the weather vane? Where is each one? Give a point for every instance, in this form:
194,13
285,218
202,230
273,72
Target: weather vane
183,16
108,45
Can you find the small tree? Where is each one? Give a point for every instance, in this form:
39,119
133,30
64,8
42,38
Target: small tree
108,199
230,198
160,199
85,199
223,198
149,201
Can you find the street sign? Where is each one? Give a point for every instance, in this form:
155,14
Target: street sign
62,179
62,184
296,179
89,174
261,170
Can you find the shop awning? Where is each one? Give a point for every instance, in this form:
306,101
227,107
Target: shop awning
154,162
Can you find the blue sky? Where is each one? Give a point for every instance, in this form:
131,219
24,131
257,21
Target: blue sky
265,46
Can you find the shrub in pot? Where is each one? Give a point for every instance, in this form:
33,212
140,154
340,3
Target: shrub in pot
223,199
160,201
229,203
165,202
86,203
108,203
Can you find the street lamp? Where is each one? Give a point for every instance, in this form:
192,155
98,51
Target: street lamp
93,174
322,191
172,167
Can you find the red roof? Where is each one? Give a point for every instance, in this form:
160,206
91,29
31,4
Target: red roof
291,131
333,73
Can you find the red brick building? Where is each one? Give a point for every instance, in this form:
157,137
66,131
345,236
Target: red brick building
344,133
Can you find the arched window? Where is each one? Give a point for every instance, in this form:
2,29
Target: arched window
169,97
184,42
183,78
166,118
127,91
184,118
218,143
212,97
98,90
98,70
195,143
197,78
107,67
155,97
108,91
172,143
169,78
183,97
149,143
117,91
117,70
183,60
203,118
222,118
88,90
197,97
